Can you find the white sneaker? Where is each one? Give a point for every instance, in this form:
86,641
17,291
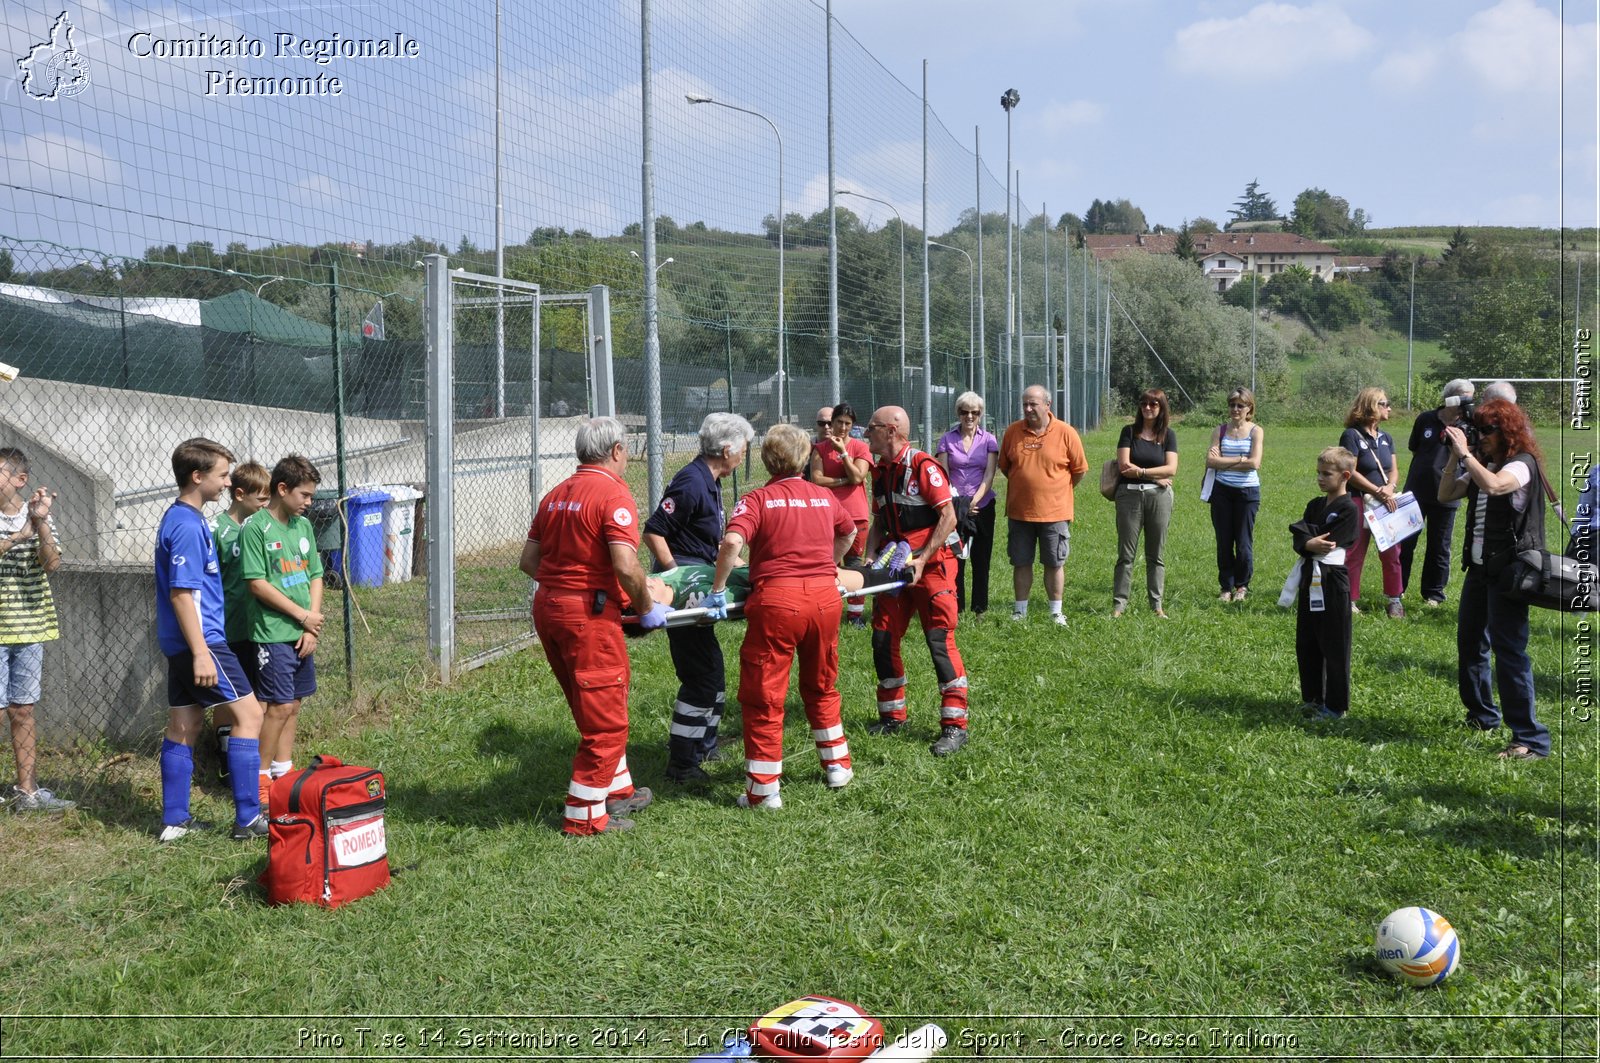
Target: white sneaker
1018,616
770,804
838,776
1059,619
173,832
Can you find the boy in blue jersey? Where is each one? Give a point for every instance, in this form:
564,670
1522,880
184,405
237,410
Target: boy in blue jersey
202,671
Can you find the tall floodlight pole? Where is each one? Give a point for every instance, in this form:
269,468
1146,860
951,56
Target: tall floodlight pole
1049,329
654,446
783,368
500,228
983,344
1411,328
902,221
972,335
1019,352
927,319
1083,341
834,385
1008,102
1066,316
1253,316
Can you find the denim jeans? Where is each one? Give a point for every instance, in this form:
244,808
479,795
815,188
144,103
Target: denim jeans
1439,522
1488,620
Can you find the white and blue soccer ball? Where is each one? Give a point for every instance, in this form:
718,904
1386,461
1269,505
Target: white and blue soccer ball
1417,946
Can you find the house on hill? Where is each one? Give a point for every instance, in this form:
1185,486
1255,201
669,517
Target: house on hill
1225,258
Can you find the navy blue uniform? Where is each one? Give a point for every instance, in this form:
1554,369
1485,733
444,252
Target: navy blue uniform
689,517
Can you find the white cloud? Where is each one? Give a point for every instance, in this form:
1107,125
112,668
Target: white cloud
57,162
1058,118
318,190
1270,40
1407,70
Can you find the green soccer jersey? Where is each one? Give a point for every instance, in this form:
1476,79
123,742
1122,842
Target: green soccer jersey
285,555
236,596
691,583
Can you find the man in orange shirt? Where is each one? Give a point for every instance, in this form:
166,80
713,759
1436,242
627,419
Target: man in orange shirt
1043,460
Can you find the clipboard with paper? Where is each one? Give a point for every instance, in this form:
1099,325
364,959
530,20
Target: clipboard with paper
1390,528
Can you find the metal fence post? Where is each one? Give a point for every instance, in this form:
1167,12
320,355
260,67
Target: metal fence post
440,448
605,396
338,449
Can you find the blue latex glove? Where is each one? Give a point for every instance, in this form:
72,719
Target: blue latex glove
716,605
655,618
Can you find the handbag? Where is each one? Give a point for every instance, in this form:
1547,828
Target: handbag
1550,581
1209,480
1109,478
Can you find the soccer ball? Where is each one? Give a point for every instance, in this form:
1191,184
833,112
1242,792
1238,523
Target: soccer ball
1417,946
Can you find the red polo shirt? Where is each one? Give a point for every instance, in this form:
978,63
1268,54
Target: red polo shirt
790,525
577,523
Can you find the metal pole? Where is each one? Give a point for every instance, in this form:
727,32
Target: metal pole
1066,340
441,484
927,320
833,234
500,236
1411,326
1019,352
1253,316
983,335
727,354
1050,342
1008,101
902,221
338,449
652,325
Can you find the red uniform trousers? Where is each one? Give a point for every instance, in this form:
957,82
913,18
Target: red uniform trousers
590,660
933,599
785,618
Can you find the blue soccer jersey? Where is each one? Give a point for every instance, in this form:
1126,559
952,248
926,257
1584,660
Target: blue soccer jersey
186,557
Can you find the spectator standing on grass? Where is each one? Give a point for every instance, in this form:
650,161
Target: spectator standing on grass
29,552
202,671
1235,459
911,503
685,529
796,532
1043,460
842,463
1502,482
583,549
1147,460
1428,455
824,426
280,565
1373,483
971,455
1322,605
250,496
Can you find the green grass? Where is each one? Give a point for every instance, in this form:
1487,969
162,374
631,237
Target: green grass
1141,834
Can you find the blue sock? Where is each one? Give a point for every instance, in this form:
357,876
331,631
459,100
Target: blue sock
177,772
244,764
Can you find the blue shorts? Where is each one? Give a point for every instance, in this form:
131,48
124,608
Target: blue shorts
232,683
282,675
21,666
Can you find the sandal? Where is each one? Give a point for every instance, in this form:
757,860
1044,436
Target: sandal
1518,751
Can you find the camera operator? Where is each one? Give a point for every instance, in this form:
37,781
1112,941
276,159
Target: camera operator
1428,454
1499,477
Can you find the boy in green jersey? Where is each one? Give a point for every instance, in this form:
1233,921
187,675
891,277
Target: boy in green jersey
249,498
280,565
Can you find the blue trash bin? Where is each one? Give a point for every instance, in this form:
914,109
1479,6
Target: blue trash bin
364,511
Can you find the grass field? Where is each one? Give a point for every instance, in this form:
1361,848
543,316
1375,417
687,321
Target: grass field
1143,852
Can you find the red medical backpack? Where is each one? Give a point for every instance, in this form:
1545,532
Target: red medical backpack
326,843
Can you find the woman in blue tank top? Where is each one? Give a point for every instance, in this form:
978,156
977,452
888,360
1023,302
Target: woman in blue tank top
1235,457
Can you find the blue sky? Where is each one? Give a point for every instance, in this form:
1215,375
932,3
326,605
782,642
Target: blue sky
1419,112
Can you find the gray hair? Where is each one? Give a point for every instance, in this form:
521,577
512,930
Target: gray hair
1500,389
596,438
1459,386
971,400
721,431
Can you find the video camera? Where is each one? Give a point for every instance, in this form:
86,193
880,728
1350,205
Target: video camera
1466,404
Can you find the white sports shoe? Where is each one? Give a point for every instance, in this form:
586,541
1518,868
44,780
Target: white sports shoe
770,804
838,776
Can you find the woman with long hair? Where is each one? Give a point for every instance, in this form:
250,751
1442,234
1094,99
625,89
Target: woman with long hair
1501,480
1235,458
1147,460
1375,482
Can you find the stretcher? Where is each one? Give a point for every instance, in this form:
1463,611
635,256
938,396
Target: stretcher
685,587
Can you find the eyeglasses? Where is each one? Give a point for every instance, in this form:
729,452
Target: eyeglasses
1385,403
969,413
873,426
823,424
1151,403
1238,406
1488,429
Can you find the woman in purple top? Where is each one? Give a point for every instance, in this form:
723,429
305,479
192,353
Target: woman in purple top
969,454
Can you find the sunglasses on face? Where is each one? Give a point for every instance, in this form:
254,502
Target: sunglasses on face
1488,429
823,424
1385,404
1151,405
1237,406
967,413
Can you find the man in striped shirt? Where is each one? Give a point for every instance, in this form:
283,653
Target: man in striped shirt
28,553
